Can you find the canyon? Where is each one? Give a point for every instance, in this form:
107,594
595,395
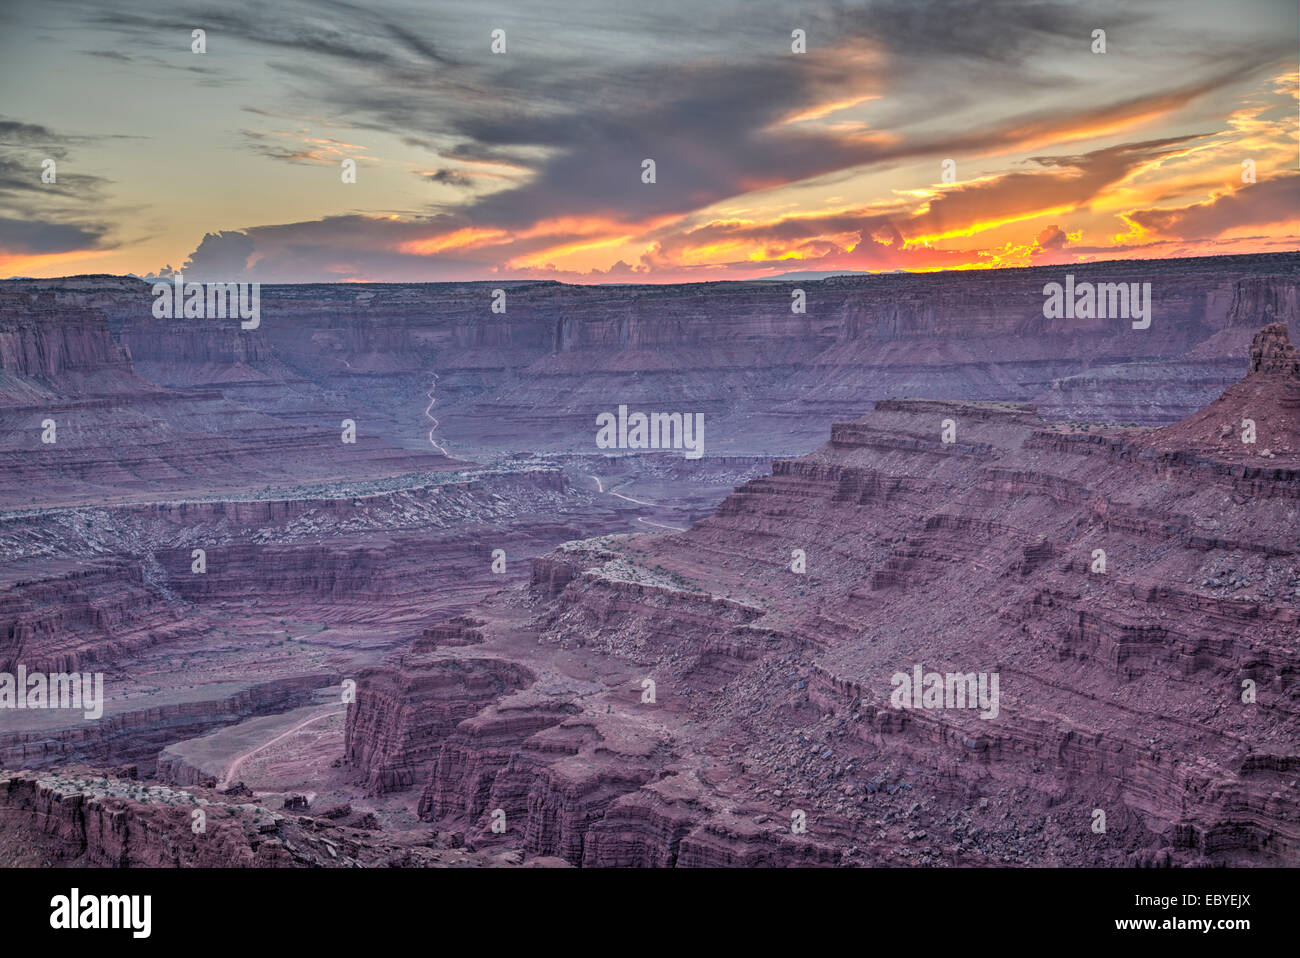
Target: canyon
472,637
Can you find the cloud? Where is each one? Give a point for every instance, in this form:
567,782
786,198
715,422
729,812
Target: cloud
108,55
879,234
886,236
299,147
17,133
29,237
219,257
38,218
530,162
455,178
1062,182
363,34
1273,200
1051,238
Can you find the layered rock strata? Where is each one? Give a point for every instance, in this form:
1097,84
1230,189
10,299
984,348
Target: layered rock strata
1137,603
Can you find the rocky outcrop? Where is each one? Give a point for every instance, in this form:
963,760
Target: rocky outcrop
103,823
50,345
400,717
1264,298
139,735
1255,424
82,817
1271,353
68,619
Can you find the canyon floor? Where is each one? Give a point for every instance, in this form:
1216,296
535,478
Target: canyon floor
472,639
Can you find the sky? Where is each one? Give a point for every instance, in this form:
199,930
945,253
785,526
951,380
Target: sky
911,135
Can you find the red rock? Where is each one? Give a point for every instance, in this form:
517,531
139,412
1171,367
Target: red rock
1119,690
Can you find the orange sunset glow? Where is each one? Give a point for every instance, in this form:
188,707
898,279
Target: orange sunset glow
878,147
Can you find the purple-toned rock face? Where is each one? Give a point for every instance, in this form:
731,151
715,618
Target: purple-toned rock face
1271,352
363,575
